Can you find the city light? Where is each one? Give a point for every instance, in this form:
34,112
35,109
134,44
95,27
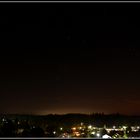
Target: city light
90,126
54,132
80,127
124,127
82,123
114,127
61,128
98,135
77,134
93,133
3,119
74,128
105,136
85,131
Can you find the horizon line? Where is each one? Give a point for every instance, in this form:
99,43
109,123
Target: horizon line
69,1
121,114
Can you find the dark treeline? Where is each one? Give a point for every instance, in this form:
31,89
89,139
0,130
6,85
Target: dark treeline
69,120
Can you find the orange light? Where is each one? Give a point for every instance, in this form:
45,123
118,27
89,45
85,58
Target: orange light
74,128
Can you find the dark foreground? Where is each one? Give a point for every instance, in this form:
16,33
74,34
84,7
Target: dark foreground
70,126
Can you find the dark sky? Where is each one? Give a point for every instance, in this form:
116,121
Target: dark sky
70,58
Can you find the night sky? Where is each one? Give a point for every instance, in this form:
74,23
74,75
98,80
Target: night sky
70,58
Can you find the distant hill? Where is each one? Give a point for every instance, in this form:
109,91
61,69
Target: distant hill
75,119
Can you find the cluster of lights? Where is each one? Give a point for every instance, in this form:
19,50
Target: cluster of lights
77,134
92,130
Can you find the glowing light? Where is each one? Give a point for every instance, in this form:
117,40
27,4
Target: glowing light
61,128
93,133
74,128
124,127
82,123
54,132
80,127
114,127
3,120
77,134
105,136
98,135
90,126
